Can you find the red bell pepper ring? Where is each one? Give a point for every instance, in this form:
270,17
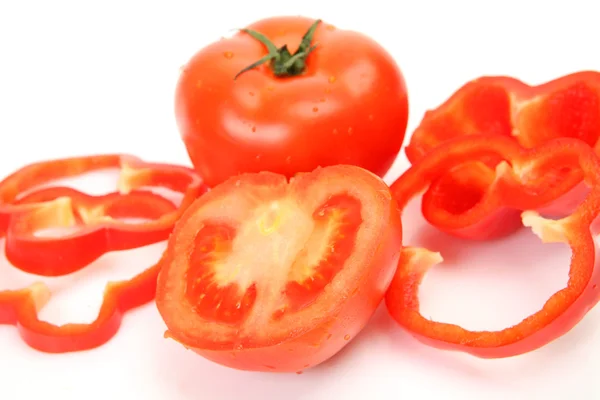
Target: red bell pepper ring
100,218
20,308
517,185
530,115
57,256
60,206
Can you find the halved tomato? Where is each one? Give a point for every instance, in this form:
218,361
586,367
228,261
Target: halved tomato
268,275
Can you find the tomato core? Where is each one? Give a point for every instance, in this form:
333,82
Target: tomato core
300,251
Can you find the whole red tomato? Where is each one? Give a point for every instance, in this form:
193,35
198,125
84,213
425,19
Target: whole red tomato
287,95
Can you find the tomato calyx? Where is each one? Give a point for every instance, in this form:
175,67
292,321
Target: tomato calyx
281,61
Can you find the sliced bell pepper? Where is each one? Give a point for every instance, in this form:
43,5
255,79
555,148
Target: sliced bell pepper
503,106
519,184
101,220
21,214
20,308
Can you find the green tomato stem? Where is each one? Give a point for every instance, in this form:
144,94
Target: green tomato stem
281,61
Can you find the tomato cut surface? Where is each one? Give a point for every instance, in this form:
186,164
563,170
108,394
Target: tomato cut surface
263,273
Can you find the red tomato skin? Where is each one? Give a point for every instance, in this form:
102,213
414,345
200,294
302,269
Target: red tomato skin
350,106
325,341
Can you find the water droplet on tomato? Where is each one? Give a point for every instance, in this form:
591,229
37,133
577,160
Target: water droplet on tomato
228,55
288,159
258,157
332,79
350,131
315,109
347,337
335,131
371,117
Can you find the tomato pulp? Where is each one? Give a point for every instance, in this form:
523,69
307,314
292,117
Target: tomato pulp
342,100
266,274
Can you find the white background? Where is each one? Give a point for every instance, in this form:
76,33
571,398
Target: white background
91,77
